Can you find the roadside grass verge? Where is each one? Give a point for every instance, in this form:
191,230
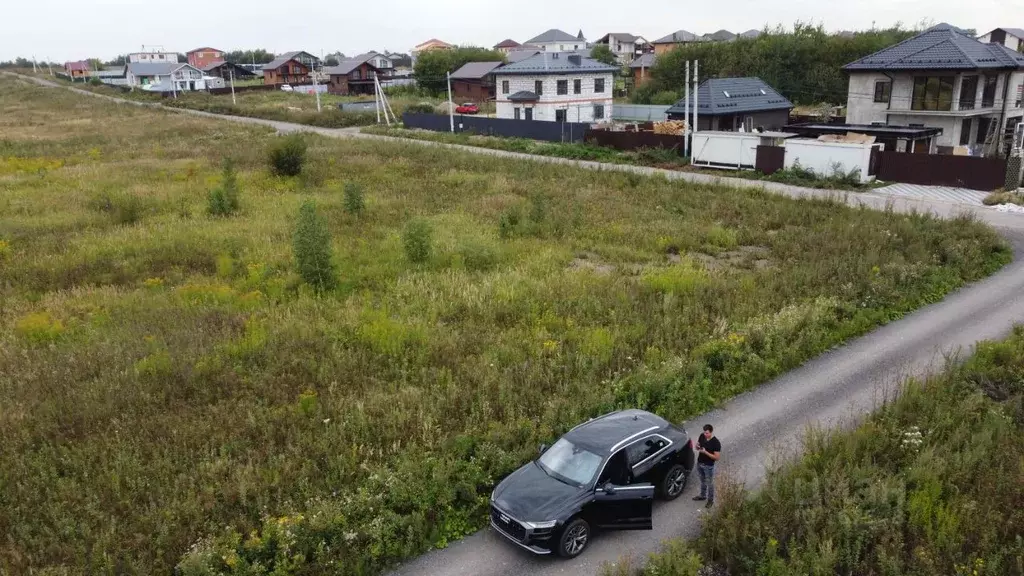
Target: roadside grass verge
175,395
930,484
653,157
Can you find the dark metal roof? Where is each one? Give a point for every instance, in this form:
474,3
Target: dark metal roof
517,55
556,63
156,68
553,35
942,47
677,37
277,62
732,96
720,36
507,43
644,61
239,69
1018,32
524,96
346,66
620,36
879,131
475,70
604,432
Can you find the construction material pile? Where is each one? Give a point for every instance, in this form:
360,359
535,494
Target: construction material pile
670,127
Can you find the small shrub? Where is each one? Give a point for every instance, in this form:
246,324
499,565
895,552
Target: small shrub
417,240
223,200
478,256
354,203
39,328
96,82
313,251
722,237
287,155
509,221
5,250
1003,197
665,97
682,278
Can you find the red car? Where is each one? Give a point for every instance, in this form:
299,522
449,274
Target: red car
467,108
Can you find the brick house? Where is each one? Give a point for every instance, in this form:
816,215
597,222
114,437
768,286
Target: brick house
474,82
203,57
351,77
290,68
556,87
641,68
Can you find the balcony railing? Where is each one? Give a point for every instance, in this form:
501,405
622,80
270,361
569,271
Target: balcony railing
988,102
966,105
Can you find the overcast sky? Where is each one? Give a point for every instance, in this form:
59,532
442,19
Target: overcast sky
60,30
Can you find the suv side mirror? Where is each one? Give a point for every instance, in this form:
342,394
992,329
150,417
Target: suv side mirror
608,488
542,448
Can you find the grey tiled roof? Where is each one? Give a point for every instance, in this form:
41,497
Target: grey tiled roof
517,55
154,68
620,36
277,62
644,61
555,63
346,66
553,35
475,70
942,47
752,33
676,37
721,36
523,96
734,95
507,43
1018,32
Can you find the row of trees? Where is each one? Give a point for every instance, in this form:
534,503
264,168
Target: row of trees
432,67
804,65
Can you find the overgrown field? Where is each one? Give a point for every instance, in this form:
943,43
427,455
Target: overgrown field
172,393
931,484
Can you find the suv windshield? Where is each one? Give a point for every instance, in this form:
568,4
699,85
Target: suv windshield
570,463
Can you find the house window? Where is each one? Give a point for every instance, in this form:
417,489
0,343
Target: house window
965,132
538,87
932,93
988,93
561,47
559,115
577,86
562,87
598,111
599,85
968,93
515,113
504,86
983,124
883,89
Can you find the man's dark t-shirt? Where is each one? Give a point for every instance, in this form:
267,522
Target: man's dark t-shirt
712,445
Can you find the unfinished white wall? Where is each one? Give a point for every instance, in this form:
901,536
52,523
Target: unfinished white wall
826,157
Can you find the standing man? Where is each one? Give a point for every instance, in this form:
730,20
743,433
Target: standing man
708,449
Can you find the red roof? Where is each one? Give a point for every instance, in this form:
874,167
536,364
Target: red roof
79,66
204,48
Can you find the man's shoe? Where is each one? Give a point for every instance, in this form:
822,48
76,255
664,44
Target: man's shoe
710,503
699,498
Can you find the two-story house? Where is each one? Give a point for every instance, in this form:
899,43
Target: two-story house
674,40
351,77
153,56
555,40
734,105
941,78
164,76
1012,38
556,87
626,47
474,82
203,57
290,68
507,45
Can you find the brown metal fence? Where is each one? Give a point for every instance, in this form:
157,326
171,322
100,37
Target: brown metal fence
941,170
770,159
635,140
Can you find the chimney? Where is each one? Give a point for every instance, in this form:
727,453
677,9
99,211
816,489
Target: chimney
575,59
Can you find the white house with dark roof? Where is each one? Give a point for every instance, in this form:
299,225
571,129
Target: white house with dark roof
164,76
1012,38
555,87
625,46
941,78
555,40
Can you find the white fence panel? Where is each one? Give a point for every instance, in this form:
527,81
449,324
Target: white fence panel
640,113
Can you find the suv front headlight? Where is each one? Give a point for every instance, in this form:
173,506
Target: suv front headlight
541,525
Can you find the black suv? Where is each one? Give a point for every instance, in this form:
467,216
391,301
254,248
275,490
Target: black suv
601,474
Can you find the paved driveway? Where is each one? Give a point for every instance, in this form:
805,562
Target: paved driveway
938,193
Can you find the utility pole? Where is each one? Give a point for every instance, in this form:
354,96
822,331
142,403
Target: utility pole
34,68
231,71
451,107
686,113
315,89
696,96
376,98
